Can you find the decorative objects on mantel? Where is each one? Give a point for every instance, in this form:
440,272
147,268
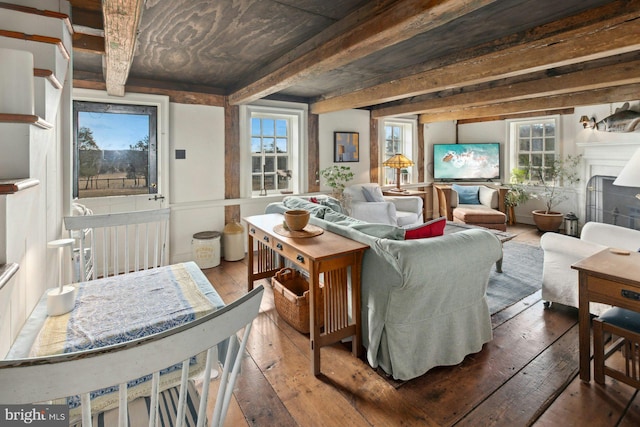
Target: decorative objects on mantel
398,162
623,120
630,174
586,121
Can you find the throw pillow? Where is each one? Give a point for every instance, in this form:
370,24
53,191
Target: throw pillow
372,194
432,228
467,194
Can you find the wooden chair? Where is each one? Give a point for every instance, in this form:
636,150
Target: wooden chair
112,244
82,372
624,326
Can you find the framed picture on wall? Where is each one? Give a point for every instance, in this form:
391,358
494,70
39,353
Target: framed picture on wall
346,147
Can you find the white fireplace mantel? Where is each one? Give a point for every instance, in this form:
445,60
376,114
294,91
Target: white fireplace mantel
606,158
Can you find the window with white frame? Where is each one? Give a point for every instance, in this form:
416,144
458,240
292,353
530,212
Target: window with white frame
534,145
398,139
274,136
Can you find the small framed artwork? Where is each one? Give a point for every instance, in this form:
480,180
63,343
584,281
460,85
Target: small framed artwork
346,147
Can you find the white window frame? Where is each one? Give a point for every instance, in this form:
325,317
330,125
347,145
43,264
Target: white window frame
161,102
513,138
297,113
408,148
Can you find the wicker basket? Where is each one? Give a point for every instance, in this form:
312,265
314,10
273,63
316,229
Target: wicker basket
291,296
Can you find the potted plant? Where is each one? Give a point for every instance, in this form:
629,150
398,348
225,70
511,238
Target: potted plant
516,194
336,177
549,179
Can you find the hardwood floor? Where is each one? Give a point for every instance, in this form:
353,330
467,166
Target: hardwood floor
527,375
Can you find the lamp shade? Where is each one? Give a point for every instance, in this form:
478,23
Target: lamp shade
398,161
630,175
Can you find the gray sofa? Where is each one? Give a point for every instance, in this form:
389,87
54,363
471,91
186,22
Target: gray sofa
423,301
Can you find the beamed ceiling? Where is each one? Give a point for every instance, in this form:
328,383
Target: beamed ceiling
443,60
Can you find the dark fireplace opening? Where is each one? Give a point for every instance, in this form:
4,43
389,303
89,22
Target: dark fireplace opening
612,204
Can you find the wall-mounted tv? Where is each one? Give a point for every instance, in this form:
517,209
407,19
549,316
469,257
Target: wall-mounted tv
466,162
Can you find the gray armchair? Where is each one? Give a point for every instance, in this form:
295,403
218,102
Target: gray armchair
367,203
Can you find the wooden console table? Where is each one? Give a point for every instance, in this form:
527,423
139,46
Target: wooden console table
328,254
608,278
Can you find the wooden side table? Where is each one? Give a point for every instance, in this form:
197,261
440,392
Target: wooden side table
609,278
328,254
418,193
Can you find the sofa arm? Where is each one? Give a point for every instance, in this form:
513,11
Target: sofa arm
406,204
375,212
610,235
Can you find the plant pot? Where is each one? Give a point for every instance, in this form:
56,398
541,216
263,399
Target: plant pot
547,221
511,215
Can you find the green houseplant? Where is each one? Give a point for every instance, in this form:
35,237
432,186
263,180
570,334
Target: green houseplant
549,180
337,177
517,193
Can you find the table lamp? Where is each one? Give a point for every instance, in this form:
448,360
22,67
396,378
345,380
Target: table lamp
398,162
630,175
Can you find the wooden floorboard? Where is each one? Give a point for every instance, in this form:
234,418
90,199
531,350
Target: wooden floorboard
527,375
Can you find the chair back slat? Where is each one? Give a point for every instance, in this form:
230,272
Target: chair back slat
113,244
79,373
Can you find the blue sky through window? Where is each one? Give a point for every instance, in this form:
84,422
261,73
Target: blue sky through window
113,131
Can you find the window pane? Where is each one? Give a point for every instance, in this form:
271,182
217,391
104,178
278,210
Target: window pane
536,144
549,144
269,182
283,183
255,127
282,163
548,159
115,149
536,130
269,164
268,127
281,127
256,181
536,159
256,164
524,145
549,129
523,160
268,145
524,131
281,145
256,145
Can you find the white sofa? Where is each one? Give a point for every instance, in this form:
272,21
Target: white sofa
559,280
402,211
423,301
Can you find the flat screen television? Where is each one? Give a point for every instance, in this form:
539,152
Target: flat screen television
466,162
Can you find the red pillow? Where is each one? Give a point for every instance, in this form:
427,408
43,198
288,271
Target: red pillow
428,229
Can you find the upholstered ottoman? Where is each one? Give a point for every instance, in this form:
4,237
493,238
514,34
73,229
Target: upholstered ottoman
480,215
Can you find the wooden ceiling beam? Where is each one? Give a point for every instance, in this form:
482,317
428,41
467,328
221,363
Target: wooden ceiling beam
590,97
88,43
400,21
121,22
609,37
601,77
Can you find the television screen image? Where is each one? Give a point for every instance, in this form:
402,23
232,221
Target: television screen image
478,161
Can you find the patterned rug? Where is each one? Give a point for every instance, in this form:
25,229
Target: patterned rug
522,276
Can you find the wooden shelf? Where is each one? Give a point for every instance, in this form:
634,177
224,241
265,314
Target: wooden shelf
10,186
28,119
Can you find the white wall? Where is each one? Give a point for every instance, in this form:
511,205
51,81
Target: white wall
572,139
348,121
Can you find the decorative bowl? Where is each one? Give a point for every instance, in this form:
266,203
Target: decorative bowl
297,219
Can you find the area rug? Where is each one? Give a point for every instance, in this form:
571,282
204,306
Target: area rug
522,276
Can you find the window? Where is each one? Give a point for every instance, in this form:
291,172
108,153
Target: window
398,139
274,134
270,153
115,149
534,145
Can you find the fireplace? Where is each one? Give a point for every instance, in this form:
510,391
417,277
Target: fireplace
612,204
